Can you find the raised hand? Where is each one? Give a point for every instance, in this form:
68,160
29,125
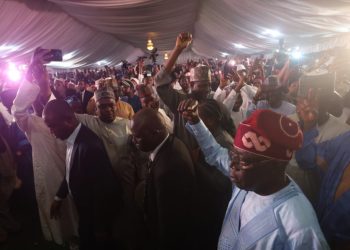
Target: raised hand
183,40
189,110
36,70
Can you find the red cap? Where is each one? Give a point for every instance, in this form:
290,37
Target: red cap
269,134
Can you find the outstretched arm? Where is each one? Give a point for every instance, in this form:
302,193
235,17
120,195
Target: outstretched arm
163,79
215,155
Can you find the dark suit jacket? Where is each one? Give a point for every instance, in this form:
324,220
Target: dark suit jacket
95,190
85,97
170,190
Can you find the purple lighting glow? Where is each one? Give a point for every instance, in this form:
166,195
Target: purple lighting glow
13,73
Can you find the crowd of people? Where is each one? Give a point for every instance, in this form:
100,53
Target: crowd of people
245,153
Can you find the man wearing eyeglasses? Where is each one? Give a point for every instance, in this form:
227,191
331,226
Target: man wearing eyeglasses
267,210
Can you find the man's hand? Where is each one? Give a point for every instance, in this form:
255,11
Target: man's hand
183,40
307,110
55,210
189,110
36,67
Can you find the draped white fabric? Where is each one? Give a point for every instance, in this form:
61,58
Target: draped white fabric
26,25
312,25
109,30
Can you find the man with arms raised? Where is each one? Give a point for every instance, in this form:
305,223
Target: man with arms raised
267,209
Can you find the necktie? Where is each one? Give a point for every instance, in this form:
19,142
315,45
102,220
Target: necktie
147,186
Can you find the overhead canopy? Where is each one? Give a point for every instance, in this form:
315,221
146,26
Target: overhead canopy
101,32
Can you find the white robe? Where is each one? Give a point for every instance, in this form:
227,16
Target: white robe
48,167
247,92
114,135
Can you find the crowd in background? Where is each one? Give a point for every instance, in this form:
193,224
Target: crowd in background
171,166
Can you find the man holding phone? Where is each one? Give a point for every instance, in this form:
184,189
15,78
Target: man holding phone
48,152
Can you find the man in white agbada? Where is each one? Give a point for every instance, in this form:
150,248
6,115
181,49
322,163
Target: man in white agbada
230,95
112,130
48,159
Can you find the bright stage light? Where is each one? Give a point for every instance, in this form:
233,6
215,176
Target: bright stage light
103,62
239,46
273,33
13,73
296,55
69,56
232,62
224,54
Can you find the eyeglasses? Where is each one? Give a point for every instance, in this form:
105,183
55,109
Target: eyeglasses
238,164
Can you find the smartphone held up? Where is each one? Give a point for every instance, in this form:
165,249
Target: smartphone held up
49,55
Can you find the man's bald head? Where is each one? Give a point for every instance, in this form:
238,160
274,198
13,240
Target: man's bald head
59,108
150,118
148,129
60,118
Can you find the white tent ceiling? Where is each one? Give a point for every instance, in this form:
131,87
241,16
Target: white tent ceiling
108,31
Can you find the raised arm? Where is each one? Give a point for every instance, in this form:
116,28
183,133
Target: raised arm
215,155
34,90
182,41
25,97
163,79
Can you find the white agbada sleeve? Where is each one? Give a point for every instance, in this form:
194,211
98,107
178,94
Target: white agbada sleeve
48,167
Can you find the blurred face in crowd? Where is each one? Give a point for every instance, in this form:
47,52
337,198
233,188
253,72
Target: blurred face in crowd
293,88
274,97
184,83
147,98
148,80
106,110
60,87
148,130
81,86
60,128
126,90
200,90
143,138
251,172
134,82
